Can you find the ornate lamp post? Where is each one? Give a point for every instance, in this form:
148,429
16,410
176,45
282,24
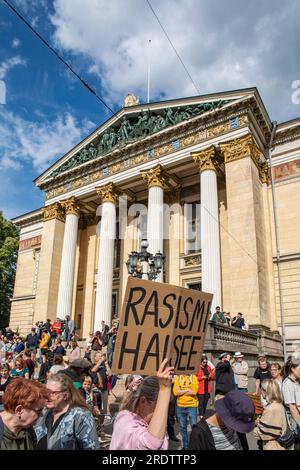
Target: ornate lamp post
145,265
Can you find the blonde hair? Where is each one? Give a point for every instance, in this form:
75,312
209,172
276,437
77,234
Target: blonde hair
149,389
272,389
74,397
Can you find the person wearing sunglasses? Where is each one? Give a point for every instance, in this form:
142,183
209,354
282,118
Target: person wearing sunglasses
20,369
205,377
24,402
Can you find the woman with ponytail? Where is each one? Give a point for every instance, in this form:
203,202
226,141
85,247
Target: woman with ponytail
142,421
291,395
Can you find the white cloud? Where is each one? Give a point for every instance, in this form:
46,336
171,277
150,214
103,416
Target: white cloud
8,64
37,143
16,43
225,45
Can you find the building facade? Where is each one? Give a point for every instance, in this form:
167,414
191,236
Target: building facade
191,176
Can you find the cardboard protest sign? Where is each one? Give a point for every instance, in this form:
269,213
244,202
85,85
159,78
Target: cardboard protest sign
159,321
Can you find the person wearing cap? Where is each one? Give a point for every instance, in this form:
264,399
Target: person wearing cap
224,375
227,428
238,322
240,369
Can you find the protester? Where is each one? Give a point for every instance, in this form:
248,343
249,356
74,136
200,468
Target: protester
90,396
185,390
228,318
56,327
58,364
58,349
226,429
262,372
47,326
171,416
142,422
20,369
219,317
44,345
240,369
69,329
46,366
68,423
224,376
238,321
205,377
29,363
75,352
5,380
32,342
277,373
111,345
23,401
96,345
273,422
291,396
19,345
101,373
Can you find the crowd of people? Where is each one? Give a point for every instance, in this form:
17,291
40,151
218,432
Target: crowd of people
54,395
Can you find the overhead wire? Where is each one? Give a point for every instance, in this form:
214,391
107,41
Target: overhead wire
59,57
173,47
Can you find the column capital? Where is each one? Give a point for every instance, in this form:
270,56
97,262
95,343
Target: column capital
155,177
71,206
108,193
54,211
246,147
207,159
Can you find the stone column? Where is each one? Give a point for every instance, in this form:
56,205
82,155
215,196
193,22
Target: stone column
108,195
66,279
210,232
155,179
245,177
50,262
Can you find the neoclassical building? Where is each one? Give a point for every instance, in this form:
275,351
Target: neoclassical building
191,175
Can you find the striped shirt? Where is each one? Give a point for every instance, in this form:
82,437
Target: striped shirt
224,438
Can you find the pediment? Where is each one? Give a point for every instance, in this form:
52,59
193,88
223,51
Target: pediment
135,123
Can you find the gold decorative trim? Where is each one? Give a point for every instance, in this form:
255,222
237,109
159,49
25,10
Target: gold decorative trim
55,211
246,147
207,159
108,193
155,177
142,157
72,206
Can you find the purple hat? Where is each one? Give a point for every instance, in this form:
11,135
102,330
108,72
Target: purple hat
236,411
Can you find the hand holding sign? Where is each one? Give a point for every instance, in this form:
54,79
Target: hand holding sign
165,375
159,321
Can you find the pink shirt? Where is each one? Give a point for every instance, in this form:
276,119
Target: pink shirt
131,433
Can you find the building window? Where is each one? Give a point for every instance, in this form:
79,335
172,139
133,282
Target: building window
195,285
192,232
117,254
114,306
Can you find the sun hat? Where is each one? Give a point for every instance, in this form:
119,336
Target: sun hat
237,411
238,354
223,355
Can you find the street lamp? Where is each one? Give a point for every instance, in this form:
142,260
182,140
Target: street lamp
145,265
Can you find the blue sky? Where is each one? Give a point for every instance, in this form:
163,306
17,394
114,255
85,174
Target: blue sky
225,45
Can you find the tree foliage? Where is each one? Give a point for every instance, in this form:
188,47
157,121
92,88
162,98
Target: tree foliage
9,243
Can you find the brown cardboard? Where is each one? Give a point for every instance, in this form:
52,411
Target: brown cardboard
159,321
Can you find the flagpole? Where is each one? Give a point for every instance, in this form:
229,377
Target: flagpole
149,71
